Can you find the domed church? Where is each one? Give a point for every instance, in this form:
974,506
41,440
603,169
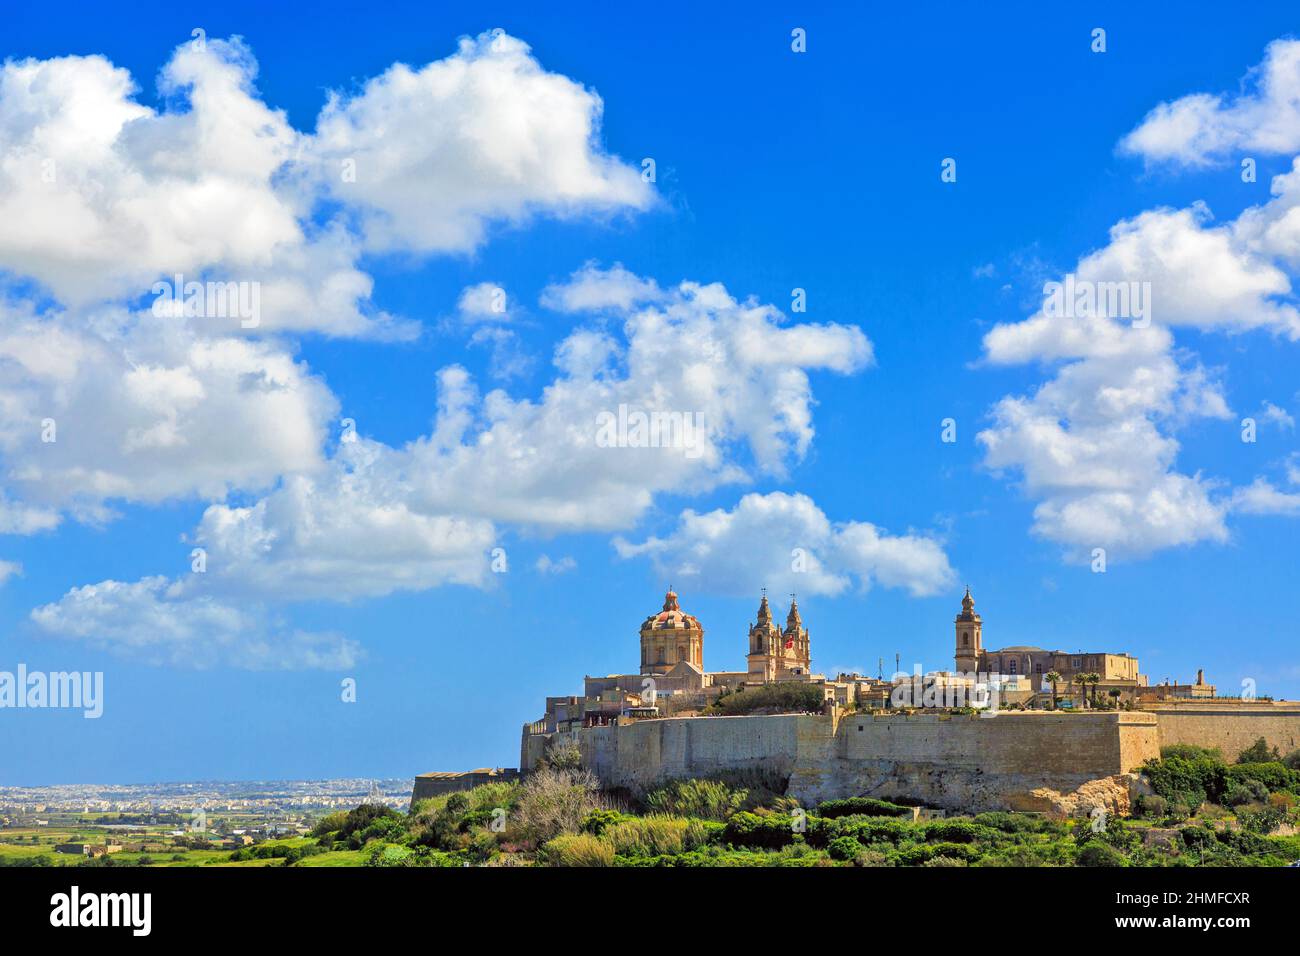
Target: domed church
670,637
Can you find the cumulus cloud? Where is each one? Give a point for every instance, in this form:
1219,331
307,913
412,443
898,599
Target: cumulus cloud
593,289
1096,443
782,541
101,196
1202,128
482,136
136,408
9,569
735,368
152,621
349,532
374,518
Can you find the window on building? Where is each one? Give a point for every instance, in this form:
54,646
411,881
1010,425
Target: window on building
1011,666
965,639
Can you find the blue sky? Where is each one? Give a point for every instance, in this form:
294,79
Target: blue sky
774,170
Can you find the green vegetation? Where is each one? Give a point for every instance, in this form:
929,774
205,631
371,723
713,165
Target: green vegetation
1202,810
861,806
788,698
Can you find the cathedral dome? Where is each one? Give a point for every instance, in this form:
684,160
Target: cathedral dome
672,616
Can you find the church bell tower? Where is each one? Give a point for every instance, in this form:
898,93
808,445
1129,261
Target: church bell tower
970,642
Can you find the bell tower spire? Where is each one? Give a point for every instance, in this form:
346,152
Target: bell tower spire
970,639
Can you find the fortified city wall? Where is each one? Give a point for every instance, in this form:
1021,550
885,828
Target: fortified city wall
954,761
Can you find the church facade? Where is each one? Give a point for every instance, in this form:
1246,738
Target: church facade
776,654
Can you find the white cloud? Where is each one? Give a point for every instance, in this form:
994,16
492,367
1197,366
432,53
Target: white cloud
100,196
484,135
349,532
486,310
765,538
1261,497
142,409
1277,416
593,289
1096,442
150,620
9,569
484,302
699,352
545,564
376,519
217,185
1202,128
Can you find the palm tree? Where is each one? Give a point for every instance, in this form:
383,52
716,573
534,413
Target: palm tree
1053,678
1093,678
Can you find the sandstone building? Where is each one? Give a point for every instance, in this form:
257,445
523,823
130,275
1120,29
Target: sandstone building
1118,676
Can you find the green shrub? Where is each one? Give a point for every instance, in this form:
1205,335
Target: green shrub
844,848
921,853
1259,752
598,821
1096,853
1262,821
876,830
1006,822
329,823
1273,775
701,833
863,806
1292,760
1151,805
771,831
1199,838
647,836
776,698
705,799
1186,781
576,849
957,831
1240,793
1192,752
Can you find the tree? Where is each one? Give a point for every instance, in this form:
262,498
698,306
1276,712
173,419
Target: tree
1259,752
1092,678
1053,678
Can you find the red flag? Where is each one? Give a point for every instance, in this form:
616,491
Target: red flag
789,644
